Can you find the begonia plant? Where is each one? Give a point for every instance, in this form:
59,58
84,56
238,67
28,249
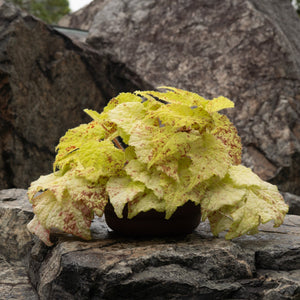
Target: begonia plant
153,150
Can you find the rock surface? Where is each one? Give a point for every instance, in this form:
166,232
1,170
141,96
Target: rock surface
248,51
15,244
15,213
264,266
14,282
197,266
46,80
82,18
293,202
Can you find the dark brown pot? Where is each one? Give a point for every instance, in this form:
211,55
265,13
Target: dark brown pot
152,223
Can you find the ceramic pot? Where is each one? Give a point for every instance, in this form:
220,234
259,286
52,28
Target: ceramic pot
152,223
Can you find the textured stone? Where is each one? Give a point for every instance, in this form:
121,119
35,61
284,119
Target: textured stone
82,18
15,244
46,80
15,213
293,202
248,51
196,266
14,282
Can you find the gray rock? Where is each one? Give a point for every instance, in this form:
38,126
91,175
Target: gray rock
197,266
294,203
15,214
46,80
82,18
15,244
248,51
14,282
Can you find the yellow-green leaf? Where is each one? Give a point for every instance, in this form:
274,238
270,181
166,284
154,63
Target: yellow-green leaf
217,104
122,190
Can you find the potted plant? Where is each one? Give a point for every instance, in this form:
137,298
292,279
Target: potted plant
152,151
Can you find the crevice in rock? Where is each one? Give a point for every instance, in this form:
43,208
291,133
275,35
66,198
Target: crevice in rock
8,172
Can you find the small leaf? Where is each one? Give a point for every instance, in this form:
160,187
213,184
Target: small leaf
218,104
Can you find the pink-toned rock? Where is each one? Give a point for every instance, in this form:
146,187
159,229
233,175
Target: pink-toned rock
248,51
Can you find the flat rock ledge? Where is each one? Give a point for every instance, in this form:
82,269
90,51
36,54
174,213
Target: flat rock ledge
196,266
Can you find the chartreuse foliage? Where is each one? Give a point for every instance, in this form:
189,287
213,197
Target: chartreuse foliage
153,150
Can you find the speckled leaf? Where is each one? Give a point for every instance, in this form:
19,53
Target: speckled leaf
98,159
153,179
73,140
241,202
225,131
66,203
143,203
183,117
244,177
176,195
125,115
35,227
209,158
122,190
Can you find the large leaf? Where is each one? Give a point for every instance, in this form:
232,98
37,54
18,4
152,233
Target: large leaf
148,141
125,115
177,195
98,159
70,186
73,140
183,117
67,203
209,158
242,201
90,156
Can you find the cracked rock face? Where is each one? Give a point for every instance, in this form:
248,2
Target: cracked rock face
196,266
248,51
46,80
15,213
15,244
